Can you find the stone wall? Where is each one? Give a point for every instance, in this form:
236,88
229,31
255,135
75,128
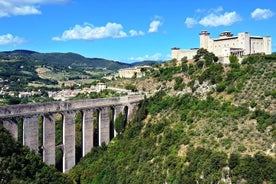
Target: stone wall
241,45
56,107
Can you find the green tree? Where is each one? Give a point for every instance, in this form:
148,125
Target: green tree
209,58
120,123
234,62
19,165
200,53
131,87
184,67
184,59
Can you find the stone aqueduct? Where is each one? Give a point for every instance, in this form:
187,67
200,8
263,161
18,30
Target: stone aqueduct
29,113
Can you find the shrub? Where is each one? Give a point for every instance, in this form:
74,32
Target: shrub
131,87
220,135
186,140
221,86
119,124
234,62
230,89
241,148
179,85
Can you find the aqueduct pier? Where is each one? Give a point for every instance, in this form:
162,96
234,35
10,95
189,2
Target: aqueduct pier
29,113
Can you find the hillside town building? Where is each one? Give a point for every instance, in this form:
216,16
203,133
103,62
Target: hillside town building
227,44
136,72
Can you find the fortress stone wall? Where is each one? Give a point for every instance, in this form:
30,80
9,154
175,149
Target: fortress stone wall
29,113
136,72
227,44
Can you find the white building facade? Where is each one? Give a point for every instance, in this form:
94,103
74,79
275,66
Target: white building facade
179,54
136,72
241,45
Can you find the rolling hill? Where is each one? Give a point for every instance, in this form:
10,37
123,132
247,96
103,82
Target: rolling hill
62,59
23,68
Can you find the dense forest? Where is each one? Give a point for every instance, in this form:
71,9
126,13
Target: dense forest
20,165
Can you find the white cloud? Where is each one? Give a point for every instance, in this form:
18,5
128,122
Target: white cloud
154,57
25,10
23,7
9,39
190,22
217,10
154,25
136,33
199,10
89,32
260,14
215,17
214,20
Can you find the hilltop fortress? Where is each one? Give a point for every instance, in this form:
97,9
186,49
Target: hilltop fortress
227,44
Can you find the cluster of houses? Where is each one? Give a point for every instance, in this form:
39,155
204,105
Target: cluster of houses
66,94
4,87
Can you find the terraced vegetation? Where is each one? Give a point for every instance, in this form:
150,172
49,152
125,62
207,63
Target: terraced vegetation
260,88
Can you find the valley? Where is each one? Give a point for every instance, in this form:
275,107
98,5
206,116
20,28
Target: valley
203,121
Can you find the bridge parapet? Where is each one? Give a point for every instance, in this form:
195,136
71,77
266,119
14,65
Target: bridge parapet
56,107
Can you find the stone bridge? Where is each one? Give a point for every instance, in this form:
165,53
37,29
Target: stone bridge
107,109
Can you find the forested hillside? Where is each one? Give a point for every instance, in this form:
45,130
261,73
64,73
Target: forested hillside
19,165
208,123
205,122
62,59
182,140
24,70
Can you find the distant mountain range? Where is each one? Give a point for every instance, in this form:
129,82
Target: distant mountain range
48,69
69,60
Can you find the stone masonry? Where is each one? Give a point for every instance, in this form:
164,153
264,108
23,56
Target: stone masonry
30,114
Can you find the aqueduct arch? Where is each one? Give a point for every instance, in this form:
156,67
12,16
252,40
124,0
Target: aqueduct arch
30,113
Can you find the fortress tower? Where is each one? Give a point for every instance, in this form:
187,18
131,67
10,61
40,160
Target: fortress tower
204,37
227,44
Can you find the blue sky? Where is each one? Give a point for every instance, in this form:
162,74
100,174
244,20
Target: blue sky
127,31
